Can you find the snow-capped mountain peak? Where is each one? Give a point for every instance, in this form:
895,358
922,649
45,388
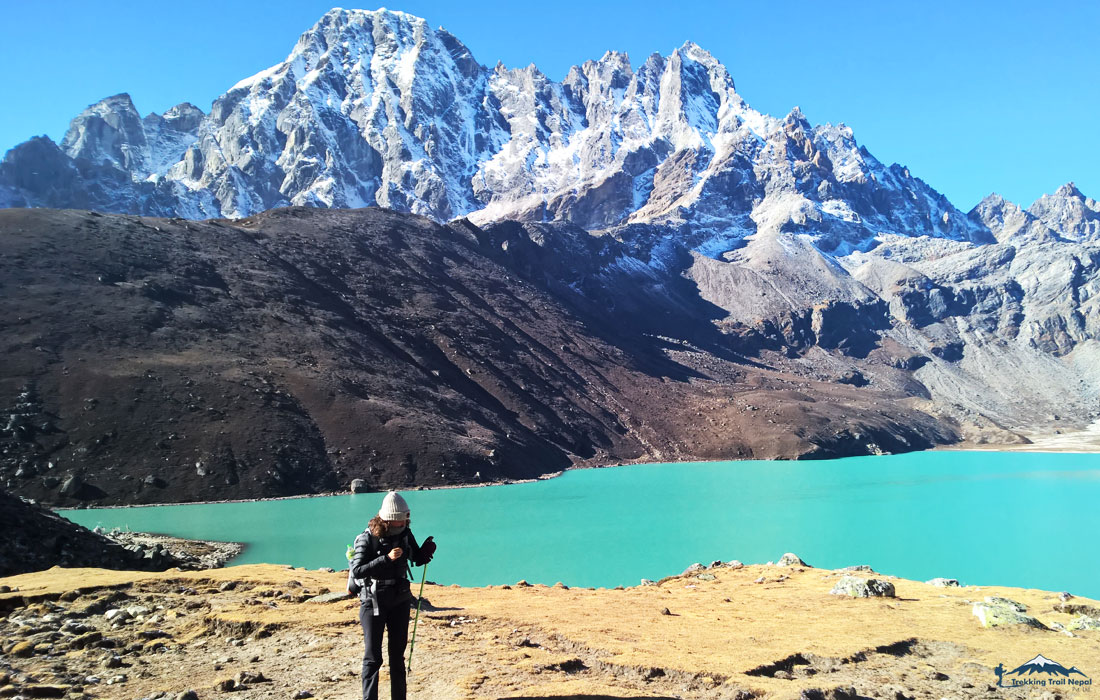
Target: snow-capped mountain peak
1069,212
377,108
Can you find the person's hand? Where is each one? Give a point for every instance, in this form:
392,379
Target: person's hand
395,554
427,550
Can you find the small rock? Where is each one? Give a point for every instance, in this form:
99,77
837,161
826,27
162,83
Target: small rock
1078,609
1064,596
301,695
227,586
707,577
85,639
735,564
759,580
116,616
857,567
1059,627
1084,623
71,486
44,691
522,583
358,486
790,559
666,611
647,582
1006,603
995,614
863,588
245,677
943,582
187,695
715,564
225,685
694,569
329,597
22,649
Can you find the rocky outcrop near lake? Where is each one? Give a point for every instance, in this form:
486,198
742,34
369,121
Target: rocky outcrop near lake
36,538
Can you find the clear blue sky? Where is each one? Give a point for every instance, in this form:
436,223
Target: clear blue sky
974,97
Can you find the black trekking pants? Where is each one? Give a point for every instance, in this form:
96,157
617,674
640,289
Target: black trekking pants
396,620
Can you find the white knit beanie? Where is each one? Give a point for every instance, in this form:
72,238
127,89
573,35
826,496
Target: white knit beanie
394,507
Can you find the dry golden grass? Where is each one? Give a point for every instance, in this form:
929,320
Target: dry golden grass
512,642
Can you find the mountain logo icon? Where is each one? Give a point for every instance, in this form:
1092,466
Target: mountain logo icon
1040,671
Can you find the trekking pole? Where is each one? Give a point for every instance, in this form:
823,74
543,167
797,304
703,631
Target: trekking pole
419,600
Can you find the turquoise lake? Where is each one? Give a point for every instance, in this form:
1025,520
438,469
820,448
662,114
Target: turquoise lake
986,518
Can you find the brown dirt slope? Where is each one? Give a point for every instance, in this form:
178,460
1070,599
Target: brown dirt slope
162,360
758,631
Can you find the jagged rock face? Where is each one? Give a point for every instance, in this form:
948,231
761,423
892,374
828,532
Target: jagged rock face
377,108
1008,222
1006,331
110,133
1070,213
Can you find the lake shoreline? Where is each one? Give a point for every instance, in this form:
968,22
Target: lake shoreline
553,517
1085,441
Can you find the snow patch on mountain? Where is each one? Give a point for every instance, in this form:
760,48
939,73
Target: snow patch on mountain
377,108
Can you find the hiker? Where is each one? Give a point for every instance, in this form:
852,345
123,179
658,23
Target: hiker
379,567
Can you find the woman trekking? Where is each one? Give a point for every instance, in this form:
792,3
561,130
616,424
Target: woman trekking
379,568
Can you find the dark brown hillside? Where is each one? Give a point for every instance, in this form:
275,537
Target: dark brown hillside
154,360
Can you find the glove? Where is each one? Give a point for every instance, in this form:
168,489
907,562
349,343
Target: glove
427,550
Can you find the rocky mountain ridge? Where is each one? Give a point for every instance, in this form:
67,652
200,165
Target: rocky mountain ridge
156,360
707,256
378,109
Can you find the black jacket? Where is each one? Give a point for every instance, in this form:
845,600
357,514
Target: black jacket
370,560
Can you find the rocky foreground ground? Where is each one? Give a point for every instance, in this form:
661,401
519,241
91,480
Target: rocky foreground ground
724,631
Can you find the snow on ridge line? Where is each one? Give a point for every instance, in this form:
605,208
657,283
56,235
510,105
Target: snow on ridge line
374,106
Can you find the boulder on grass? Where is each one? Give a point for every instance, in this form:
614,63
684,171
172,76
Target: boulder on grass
863,588
790,559
1002,612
